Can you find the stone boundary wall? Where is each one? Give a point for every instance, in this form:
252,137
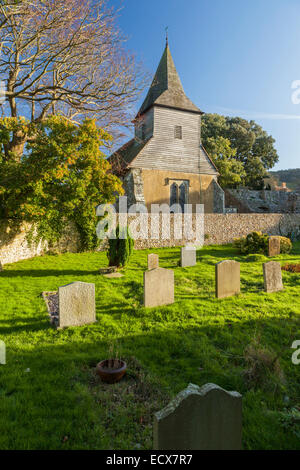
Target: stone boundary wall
219,229
14,246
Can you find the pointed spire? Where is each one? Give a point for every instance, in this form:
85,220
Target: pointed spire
166,88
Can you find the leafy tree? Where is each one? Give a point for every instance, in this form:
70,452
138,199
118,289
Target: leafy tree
223,155
254,147
61,178
120,248
66,57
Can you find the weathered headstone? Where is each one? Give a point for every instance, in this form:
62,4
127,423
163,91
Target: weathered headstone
158,287
153,261
2,352
76,304
272,276
206,418
228,279
188,256
274,246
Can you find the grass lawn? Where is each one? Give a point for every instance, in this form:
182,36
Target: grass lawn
51,398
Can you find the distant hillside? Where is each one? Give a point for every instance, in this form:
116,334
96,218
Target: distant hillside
290,177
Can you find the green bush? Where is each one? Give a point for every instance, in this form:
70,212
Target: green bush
285,245
255,242
120,248
258,243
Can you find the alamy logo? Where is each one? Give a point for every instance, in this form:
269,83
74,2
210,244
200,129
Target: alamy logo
296,92
162,223
2,352
296,355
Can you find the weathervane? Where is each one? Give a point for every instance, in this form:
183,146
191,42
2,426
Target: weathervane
167,38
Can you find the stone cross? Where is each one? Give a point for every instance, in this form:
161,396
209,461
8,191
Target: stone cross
158,287
206,418
274,246
272,276
76,304
188,256
153,261
228,281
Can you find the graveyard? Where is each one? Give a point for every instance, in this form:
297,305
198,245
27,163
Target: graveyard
51,396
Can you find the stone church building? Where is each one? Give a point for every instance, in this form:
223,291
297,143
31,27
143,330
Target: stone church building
165,162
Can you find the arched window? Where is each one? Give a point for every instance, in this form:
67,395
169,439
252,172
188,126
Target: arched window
183,195
173,194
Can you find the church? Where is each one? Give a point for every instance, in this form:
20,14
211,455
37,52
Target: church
165,162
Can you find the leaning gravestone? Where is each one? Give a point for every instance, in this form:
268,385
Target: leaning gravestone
188,256
206,418
228,279
153,261
158,287
272,276
76,304
274,246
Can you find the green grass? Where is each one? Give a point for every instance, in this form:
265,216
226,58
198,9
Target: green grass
59,403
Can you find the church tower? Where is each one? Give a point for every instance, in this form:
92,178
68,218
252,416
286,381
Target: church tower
165,162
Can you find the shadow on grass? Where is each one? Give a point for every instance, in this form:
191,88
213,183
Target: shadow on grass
177,356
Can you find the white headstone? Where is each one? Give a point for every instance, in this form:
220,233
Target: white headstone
188,256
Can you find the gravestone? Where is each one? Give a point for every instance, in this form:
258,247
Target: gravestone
272,276
76,304
206,418
2,352
188,256
158,287
228,279
153,261
274,246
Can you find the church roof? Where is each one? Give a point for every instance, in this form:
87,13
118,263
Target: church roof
120,159
166,88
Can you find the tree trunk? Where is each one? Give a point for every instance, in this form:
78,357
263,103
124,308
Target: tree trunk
16,146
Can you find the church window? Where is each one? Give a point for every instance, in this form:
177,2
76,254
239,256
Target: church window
182,195
178,132
179,194
174,194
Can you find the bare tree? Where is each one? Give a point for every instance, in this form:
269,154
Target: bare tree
65,56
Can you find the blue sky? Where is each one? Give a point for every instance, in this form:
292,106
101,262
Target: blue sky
234,57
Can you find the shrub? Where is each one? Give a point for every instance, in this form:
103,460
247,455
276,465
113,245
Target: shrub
254,242
120,249
291,268
263,369
258,242
285,245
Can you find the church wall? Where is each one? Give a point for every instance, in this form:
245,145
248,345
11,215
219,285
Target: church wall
157,187
144,125
164,152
